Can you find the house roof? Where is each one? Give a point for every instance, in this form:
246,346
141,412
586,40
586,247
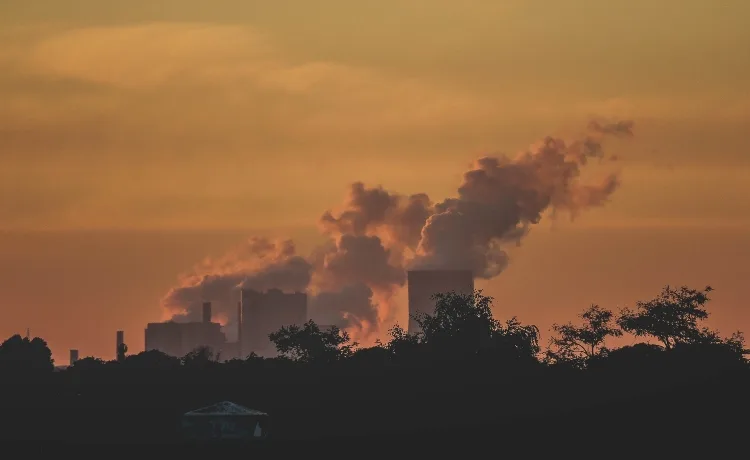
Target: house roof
224,408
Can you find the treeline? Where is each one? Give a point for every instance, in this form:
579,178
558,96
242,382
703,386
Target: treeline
464,366
462,327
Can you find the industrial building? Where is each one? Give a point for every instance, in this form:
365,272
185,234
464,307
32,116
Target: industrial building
262,313
230,351
423,284
179,339
258,315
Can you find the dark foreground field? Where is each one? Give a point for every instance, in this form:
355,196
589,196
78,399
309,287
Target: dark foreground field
568,414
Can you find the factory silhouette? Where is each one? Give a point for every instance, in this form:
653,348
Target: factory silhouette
261,313
258,315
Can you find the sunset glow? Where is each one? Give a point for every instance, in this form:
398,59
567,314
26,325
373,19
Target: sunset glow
143,146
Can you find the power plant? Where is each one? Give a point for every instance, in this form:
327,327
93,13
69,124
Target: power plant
423,284
179,339
258,315
262,313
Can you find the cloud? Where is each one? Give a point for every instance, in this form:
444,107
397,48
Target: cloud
178,55
259,264
238,110
141,56
618,128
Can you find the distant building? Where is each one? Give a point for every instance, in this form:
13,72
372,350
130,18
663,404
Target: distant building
265,312
231,350
179,339
225,420
73,357
194,335
165,337
423,284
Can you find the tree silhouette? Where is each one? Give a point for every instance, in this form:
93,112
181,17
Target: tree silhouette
309,343
371,357
199,358
463,324
629,359
576,344
440,374
88,363
671,318
402,344
709,342
516,340
23,355
152,359
122,350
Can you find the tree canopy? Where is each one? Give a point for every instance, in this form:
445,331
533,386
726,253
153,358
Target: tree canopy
199,358
22,355
674,318
576,344
464,324
308,343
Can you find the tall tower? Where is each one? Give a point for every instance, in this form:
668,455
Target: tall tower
423,284
206,312
120,341
239,331
73,356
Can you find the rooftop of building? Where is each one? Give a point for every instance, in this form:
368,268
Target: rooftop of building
440,271
272,291
176,323
224,408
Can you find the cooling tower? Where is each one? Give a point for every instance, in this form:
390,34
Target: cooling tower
423,284
267,312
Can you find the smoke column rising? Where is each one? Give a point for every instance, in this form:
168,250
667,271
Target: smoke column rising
378,235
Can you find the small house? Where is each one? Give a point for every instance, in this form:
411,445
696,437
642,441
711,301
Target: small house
225,421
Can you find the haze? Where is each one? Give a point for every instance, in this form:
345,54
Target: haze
136,139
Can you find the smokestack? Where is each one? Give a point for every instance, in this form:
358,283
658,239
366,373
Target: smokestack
120,341
239,330
73,356
206,312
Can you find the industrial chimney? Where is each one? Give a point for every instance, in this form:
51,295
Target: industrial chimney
239,330
120,341
206,312
73,356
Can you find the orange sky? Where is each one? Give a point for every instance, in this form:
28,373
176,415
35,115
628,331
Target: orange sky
136,140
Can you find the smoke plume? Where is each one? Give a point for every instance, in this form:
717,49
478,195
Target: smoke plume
377,235
259,264
619,128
